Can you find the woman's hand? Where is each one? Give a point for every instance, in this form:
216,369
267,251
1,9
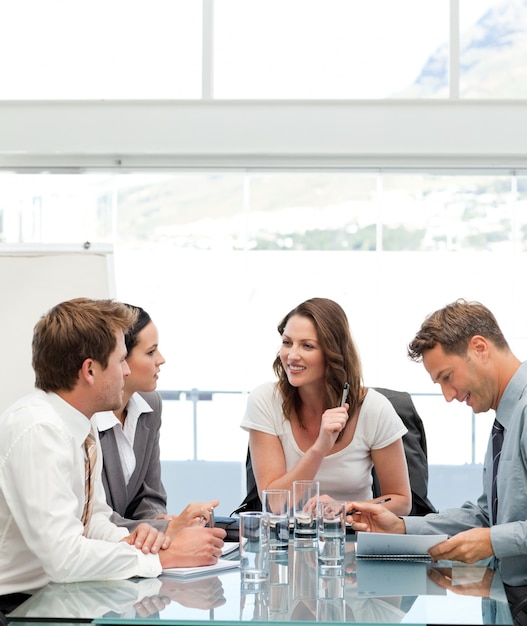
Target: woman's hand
194,514
333,422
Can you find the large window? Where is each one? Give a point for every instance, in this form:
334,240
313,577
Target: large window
57,49
249,164
270,49
218,258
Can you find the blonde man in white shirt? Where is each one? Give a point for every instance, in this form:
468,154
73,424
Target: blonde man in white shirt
80,367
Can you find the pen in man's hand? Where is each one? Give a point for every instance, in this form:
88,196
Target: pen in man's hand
353,511
211,518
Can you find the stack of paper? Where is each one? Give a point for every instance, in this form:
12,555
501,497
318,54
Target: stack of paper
204,570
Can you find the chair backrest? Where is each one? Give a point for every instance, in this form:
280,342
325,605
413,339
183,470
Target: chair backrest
416,457
415,449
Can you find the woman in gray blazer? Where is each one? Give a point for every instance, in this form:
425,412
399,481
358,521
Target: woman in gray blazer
129,440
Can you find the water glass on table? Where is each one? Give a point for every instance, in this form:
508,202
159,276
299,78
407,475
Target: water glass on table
305,502
254,547
331,533
276,502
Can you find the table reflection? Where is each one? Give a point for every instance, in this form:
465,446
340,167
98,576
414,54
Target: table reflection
298,590
125,599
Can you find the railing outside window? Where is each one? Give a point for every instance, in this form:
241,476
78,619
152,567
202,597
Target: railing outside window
203,424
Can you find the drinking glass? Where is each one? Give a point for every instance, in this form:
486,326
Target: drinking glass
275,502
254,547
305,501
331,533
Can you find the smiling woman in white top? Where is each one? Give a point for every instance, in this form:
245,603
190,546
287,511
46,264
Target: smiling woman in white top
298,429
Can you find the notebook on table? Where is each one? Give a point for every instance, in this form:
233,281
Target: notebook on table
396,547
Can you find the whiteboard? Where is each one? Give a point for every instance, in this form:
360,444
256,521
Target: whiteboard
32,280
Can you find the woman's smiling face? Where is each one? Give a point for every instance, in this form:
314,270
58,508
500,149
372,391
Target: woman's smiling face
300,352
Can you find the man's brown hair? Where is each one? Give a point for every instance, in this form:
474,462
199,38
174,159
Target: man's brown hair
453,327
72,332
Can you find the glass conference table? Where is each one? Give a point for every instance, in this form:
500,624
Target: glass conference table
364,591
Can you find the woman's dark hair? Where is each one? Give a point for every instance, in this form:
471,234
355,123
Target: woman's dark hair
342,361
130,337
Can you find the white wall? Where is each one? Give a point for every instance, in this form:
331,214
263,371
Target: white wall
32,280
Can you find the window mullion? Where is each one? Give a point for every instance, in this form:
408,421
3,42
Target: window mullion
207,61
454,50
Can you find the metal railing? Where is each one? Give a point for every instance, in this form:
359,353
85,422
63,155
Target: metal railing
196,395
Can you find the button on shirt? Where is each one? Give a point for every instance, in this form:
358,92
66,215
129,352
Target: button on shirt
509,535
42,498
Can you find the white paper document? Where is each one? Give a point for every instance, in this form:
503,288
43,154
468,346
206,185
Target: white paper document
229,546
395,547
204,570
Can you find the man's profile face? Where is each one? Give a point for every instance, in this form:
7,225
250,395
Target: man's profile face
462,377
110,381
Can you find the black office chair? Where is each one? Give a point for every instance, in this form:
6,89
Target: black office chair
9,603
517,598
415,448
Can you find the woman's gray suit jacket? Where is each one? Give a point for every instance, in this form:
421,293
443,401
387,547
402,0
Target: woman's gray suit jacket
144,497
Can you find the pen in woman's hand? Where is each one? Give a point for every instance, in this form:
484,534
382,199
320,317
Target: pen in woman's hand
353,511
345,392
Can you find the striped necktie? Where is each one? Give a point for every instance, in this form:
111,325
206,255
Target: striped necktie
90,449
497,442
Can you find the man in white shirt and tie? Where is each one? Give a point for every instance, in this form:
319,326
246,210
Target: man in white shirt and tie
79,363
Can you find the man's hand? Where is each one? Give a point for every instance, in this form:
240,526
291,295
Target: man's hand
192,547
468,547
371,517
147,539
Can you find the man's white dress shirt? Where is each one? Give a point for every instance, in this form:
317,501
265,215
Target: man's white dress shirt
42,498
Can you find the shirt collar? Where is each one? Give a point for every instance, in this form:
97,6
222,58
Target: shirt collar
76,422
138,405
104,420
513,392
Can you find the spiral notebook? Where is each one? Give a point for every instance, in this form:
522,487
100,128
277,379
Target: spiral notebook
396,547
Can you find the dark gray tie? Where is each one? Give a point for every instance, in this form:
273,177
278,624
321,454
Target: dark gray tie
497,442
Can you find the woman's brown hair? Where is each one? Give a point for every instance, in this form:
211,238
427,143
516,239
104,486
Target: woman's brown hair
342,361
